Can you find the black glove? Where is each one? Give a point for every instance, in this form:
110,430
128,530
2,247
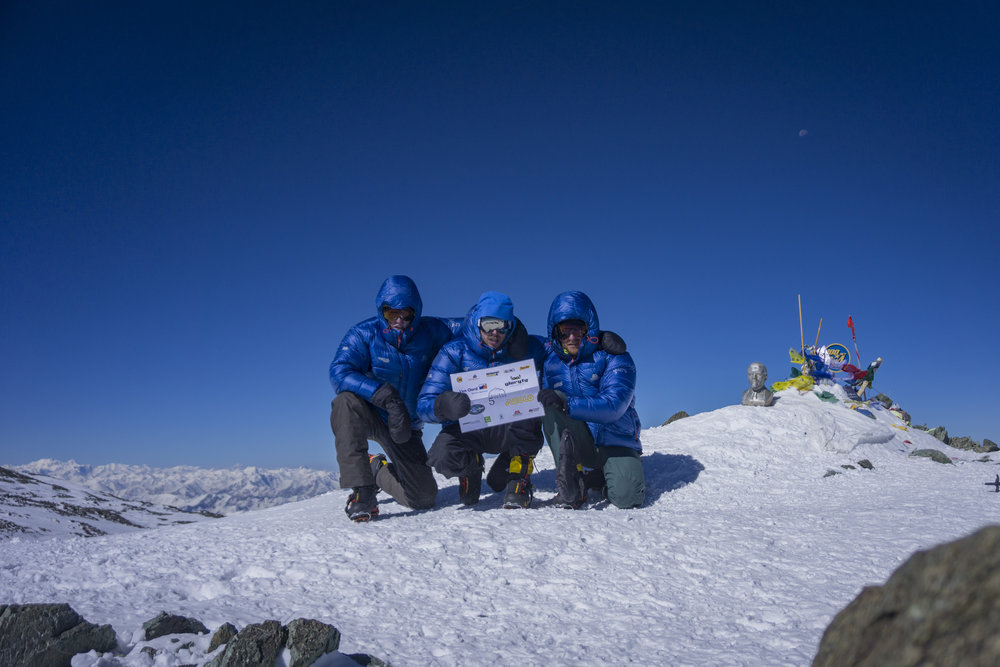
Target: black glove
451,406
397,416
550,398
611,343
519,345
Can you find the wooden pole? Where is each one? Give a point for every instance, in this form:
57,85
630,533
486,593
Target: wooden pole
802,337
816,344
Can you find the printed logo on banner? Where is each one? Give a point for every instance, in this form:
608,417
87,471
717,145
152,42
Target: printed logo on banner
500,394
839,353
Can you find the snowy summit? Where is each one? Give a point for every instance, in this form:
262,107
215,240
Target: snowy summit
760,525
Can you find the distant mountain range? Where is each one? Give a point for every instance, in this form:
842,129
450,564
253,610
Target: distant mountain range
39,506
189,488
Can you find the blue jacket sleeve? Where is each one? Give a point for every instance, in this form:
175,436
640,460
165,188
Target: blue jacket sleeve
447,361
616,391
348,371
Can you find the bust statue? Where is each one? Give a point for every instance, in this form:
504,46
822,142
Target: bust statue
757,394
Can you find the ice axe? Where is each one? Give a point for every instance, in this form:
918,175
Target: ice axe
995,484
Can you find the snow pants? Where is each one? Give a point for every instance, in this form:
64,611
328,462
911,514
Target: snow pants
457,454
622,466
407,478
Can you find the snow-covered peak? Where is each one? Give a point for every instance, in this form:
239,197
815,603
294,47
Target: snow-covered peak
217,490
40,506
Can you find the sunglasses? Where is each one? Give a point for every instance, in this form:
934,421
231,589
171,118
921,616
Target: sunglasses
392,314
491,324
566,329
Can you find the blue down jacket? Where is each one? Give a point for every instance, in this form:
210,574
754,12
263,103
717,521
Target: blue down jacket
467,352
372,353
599,387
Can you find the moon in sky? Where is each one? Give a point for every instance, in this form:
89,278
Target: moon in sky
803,133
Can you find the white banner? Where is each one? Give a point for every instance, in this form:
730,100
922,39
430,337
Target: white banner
499,395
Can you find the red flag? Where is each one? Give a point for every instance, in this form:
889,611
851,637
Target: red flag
850,325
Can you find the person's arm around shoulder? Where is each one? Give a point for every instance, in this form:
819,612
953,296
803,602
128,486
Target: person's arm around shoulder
616,391
447,361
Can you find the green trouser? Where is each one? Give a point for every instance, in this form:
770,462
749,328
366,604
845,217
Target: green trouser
622,466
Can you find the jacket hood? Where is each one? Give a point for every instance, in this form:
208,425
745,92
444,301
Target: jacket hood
574,306
398,292
490,304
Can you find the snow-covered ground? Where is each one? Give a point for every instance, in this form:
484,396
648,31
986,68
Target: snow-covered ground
742,555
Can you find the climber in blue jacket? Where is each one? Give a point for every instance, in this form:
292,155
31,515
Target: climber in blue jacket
490,336
590,419
377,374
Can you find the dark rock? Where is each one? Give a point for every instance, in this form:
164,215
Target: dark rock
972,445
368,660
309,640
171,624
866,464
674,417
932,454
847,466
941,607
960,442
49,634
256,645
222,636
941,433
831,473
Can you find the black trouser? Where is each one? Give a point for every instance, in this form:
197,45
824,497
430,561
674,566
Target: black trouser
457,454
408,478
622,466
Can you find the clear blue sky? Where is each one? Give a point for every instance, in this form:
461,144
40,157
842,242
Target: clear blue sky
199,199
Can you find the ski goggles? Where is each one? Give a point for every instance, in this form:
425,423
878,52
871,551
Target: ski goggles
491,324
571,328
392,314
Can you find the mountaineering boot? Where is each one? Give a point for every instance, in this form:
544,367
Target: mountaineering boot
497,478
376,461
362,505
569,474
469,488
518,495
594,479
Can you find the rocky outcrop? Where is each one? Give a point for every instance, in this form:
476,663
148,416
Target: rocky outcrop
932,454
51,634
222,636
48,635
258,644
962,442
941,607
171,624
941,433
674,417
308,640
